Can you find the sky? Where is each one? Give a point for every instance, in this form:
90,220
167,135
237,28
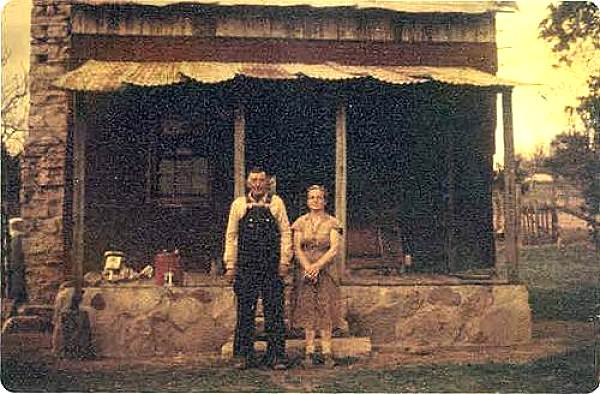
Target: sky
538,104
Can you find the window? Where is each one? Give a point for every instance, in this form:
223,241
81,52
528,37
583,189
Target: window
181,170
180,173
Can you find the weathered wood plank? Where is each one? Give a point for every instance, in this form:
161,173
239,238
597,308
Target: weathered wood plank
293,24
129,22
79,176
451,209
481,56
239,130
511,233
341,175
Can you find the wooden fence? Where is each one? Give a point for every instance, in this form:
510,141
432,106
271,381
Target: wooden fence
538,223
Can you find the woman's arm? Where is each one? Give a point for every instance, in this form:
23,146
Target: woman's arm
304,262
328,257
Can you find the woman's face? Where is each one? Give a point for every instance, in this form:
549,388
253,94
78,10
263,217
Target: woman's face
315,200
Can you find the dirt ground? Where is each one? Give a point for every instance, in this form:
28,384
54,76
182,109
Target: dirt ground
563,355
549,337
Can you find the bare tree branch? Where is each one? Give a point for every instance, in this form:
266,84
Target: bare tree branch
15,93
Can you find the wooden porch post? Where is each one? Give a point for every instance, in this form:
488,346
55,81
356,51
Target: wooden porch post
450,222
510,198
79,164
239,133
341,181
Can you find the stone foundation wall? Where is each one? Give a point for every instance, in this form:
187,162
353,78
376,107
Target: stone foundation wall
151,320
43,165
434,316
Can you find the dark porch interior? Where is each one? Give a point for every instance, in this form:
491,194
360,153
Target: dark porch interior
290,131
419,167
420,171
130,204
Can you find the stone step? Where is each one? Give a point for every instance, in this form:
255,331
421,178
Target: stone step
41,310
341,347
20,324
259,325
7,305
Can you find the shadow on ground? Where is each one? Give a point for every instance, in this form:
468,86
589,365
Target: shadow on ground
28,366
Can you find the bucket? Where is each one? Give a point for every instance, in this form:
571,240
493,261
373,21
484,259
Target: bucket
165,263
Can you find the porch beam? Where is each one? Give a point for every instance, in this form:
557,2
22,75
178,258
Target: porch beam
510,198
239,147
341,182
479,55
79,174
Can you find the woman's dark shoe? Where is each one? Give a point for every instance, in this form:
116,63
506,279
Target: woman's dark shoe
328,361
308,361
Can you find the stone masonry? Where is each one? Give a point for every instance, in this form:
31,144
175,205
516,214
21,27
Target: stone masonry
148,321
43,165
416,317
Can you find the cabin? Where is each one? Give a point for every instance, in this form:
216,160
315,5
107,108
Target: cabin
146,115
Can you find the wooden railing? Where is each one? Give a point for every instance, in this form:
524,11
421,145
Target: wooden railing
538,223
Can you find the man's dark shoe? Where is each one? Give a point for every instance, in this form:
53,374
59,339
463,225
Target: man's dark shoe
276,363
246,363
279,365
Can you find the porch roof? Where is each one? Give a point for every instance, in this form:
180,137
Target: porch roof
104,76
409,6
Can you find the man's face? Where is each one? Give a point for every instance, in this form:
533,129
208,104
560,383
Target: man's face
257,182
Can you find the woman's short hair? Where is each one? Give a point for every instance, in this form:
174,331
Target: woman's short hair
317,187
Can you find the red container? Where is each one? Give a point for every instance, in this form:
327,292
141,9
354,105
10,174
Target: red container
165,262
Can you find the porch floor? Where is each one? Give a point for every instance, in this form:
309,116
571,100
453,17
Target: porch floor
370,278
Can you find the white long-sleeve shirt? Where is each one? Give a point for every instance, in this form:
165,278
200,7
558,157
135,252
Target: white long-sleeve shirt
238,209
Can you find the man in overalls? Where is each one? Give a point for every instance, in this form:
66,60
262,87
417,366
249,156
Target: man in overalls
258,250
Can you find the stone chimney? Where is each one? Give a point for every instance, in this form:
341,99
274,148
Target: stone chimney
44,168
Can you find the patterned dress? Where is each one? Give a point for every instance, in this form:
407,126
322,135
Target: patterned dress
316,303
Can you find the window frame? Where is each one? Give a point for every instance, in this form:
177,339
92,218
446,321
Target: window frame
178,135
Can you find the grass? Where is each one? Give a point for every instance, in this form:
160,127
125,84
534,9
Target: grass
569,372
40,377
564,284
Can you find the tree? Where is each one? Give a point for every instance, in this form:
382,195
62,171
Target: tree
574,159
15,96
13,128
574,30
15,93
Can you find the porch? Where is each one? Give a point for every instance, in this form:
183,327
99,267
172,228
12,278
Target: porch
405,151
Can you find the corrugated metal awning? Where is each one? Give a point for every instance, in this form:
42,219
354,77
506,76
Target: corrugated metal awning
111,75
410,6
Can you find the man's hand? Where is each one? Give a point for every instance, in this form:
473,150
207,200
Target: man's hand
283,270
230,275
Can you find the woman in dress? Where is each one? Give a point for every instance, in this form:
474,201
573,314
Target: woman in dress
317,307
